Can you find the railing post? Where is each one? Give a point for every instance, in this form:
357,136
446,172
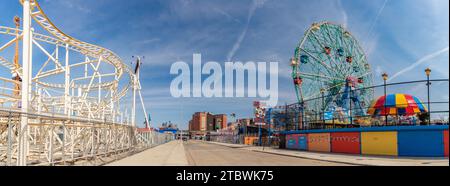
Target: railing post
50,151
93,142
63,149
334,124
72,139
9,139
303,115
105,133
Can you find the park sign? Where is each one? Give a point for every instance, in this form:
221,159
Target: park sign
260,113
260,121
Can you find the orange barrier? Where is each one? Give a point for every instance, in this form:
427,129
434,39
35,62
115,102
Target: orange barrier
319,142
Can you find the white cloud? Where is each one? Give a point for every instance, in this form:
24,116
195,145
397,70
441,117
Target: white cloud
372,26
222,12
255,5
371,45
147,41
420,61
344,14
77,5
378,70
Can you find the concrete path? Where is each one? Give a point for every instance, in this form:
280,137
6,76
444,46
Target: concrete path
347,158
200,153
208,154
169,154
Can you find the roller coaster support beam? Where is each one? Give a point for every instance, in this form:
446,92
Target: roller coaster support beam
137,88
25,92
133,109
67,83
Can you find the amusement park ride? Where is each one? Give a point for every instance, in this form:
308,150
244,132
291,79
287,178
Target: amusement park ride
330,61
329,68
71,107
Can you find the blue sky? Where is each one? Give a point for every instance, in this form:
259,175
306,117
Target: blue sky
396,34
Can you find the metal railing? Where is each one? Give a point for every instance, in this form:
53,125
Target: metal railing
57,140
297,116
300,117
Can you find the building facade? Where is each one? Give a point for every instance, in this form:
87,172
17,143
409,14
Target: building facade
220,121
204,122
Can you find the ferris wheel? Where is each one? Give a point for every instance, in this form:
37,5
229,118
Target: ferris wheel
330,61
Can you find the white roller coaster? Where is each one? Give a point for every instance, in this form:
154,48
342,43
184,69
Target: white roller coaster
73,105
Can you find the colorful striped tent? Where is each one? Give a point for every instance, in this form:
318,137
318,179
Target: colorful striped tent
397,104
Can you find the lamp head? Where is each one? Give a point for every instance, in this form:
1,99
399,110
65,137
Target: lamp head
428,71
294,62
322,90
17,21
385,76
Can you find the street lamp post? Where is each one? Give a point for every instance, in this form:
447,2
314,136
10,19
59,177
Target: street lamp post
427,72
385,77
269,136
259,135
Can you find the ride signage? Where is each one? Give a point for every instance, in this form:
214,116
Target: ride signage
259,121
260,113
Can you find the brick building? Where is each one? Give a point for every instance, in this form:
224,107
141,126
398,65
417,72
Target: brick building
220,121
204,122
199,122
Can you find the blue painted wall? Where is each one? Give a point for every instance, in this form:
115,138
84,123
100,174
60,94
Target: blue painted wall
291,142
371,129
416,141
303,142
173,131
421,143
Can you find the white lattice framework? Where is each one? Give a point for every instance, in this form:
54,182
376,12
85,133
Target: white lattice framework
73,109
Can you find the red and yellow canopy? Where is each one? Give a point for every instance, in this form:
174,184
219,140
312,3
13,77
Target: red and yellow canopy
396,104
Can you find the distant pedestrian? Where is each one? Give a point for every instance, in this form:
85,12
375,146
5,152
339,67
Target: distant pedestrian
414,120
